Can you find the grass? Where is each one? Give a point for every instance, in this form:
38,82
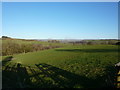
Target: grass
79,53
77,66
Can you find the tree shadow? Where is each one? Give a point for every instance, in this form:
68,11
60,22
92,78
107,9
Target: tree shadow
89,50
67,79
63,78
110,76
44,76
14,76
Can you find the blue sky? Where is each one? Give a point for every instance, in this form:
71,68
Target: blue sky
62,20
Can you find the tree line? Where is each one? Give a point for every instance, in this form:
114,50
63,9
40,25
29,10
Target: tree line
10,48
97,42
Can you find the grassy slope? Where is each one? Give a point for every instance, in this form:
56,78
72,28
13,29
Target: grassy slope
67,54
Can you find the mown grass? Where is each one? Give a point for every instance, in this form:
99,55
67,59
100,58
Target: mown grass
77,66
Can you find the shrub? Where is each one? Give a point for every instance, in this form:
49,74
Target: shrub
10,48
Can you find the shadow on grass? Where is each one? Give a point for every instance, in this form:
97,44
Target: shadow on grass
89,50
113,75
6,60
44,76
14,76
63,78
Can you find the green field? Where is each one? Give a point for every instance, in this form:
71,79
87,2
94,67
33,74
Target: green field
76,66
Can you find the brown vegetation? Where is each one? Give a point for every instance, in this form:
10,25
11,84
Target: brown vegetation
11,48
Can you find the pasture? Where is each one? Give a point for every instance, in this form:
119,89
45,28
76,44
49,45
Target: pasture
75,66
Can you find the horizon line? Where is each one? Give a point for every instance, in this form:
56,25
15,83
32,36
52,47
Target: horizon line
64,38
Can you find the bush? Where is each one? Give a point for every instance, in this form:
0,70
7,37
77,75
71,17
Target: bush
10,48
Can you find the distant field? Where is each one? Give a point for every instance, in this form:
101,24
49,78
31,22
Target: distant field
77,66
